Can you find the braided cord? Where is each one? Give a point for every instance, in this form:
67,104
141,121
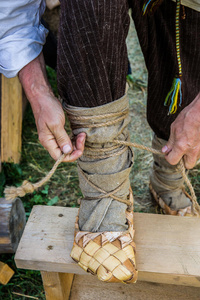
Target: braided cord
177,25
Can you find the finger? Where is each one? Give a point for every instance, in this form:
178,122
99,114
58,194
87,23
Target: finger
166,149
174,156
169,145
50,144
63,140
190,160
80,141
73,156
78,148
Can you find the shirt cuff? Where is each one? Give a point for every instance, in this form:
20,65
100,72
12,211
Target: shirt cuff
20,48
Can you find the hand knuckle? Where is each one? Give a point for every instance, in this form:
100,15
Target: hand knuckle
181,146
55,124
42,139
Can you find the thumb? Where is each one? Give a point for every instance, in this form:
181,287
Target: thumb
173,153
169,145
63,140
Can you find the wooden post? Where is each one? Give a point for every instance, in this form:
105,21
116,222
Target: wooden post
11,119
57,286
12,223
5,273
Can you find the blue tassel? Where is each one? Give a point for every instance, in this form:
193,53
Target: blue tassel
174,95
145,6
150,6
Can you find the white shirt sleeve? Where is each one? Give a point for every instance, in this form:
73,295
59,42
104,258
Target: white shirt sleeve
22,36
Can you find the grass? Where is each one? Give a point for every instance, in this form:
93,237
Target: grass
63,189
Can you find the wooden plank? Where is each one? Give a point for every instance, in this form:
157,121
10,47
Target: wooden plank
57,286
11,119
168,247
89,287
5,273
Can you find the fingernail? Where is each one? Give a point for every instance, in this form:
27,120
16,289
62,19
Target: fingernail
83,136
165,149
67,149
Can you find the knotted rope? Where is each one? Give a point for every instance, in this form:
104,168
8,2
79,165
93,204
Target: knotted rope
28,187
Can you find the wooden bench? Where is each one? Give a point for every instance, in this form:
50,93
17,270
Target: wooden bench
168,257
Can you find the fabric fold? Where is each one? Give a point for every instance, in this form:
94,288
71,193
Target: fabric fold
105,166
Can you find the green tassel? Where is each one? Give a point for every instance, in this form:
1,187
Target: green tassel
174,95
150,6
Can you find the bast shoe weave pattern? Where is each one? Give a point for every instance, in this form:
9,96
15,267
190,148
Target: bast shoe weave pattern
183,212
109,255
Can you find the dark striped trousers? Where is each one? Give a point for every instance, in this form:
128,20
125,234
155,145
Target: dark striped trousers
92,54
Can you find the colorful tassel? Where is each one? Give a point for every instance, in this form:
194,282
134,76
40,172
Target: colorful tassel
175,93
150,6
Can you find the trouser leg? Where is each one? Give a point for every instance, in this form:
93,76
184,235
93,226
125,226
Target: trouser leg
92,68
156,34
92,54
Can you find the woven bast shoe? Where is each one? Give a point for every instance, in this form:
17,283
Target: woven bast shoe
167,185
186,212
109,255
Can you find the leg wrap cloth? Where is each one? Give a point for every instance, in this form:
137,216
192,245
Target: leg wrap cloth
103,242
167,184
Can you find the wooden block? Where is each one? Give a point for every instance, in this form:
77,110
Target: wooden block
5,273
11,119
57,286
12,223
168,248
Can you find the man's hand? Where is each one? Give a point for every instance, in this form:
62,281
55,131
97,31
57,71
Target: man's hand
184,140
50,122
48,113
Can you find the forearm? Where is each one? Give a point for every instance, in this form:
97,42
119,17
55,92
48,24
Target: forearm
48,113
34,81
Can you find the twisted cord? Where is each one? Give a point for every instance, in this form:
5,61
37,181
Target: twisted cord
139,146
104,193
27,187
177,25
196,207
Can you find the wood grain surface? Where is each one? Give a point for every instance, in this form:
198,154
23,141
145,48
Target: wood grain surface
168,247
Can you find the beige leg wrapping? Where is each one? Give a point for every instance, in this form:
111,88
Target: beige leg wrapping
103,243
166,184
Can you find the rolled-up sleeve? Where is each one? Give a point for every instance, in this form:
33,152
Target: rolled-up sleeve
22,35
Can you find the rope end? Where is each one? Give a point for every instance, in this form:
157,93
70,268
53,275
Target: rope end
12,192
